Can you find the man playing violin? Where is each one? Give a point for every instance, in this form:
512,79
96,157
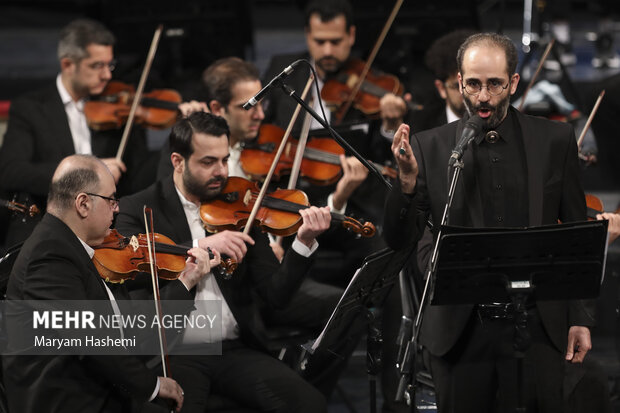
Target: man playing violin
55,264
49,124
243,372
528,176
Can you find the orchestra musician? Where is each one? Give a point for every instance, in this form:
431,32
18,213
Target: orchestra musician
244,371
521,180
49,124
55,264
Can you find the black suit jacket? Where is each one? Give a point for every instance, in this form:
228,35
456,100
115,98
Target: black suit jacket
554,192
258,274
53,265
38,138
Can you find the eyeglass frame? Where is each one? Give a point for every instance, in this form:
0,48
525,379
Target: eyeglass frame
112,200
483,85
99,66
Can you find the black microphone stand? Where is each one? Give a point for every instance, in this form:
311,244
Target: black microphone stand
407,366
289,91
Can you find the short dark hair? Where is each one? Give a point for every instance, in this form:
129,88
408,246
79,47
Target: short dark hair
220,77
491,39
180,139
66,187
329,10
440,57
77,35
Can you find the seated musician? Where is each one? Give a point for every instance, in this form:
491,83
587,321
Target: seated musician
244,371
49,124
55,264
330,36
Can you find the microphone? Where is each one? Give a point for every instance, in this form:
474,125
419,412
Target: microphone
274,82
473,126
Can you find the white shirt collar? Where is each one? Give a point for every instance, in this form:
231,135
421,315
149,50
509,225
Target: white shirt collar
451,115
64,94
89,250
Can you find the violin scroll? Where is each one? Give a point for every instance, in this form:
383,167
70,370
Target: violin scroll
365,230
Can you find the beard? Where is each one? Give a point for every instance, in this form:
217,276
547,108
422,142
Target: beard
202,190
329,64
498,112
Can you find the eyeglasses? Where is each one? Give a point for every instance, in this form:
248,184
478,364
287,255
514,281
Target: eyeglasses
99,66
112,200
494,87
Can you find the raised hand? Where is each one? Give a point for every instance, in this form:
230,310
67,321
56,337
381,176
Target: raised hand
407,164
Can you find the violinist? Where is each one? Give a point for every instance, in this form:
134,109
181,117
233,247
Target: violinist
200,152
330,36
55,264
49,124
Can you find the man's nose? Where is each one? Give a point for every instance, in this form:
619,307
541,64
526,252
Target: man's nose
484,95
259,113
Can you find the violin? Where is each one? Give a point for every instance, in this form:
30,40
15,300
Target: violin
27,210
110,110
320,164
121,258
336,91
278,214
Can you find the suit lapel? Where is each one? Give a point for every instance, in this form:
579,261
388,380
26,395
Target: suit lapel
174,213
534,162
55,111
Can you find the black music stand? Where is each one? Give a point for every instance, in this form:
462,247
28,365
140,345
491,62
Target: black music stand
554,262
359,308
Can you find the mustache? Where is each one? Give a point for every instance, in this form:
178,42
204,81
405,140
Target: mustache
218,179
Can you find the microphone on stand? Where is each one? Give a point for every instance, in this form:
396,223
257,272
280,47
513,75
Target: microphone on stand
274,82
473,126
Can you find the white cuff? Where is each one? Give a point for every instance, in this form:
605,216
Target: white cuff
301,249
156,392
330,204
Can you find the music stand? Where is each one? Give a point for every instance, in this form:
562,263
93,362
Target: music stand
554,262
359,307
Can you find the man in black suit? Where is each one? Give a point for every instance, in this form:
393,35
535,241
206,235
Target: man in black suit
243,372
330,36
55,264
49,124
440,58
529,176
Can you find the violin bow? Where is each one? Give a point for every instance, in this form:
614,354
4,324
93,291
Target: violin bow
540,65
589,121
138,95
30,211
276,159
340,114
163,347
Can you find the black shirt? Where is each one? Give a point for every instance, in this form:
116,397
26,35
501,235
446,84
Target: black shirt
501,176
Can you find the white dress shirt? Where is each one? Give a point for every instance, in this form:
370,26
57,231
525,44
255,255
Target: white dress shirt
77,120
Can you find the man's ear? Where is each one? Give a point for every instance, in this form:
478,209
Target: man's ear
216,107
178,162
82,205
441,89
67,63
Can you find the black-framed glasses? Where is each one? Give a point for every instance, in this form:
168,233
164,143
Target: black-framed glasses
101,65
494,87
112,200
